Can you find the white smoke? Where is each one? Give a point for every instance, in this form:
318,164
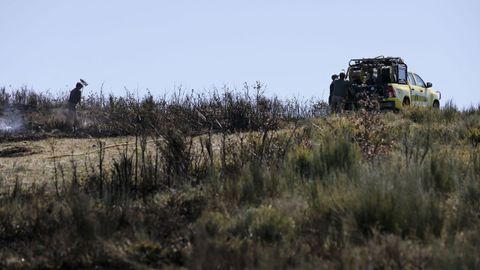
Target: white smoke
10,121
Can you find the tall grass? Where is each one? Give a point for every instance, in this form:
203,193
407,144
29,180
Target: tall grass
241,185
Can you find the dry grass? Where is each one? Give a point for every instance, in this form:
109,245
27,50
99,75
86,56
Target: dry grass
362,190
38,161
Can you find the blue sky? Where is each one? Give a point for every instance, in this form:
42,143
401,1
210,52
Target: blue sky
291,46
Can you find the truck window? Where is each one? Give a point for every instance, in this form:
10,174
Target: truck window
402,74
419,81
411,81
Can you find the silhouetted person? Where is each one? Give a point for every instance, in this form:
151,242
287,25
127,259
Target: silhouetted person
73,101
340,93
334,77
384,77
371,79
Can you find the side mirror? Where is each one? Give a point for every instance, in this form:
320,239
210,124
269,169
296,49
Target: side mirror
429,84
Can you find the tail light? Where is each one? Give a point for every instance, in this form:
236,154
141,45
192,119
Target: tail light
391,91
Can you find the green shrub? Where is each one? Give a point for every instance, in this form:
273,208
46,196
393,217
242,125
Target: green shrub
475,163
252,238
333,155
301,159
324,227
269,225
473,136
440,175
264,224
215,224
419,114
395,202
387,251
449,113
252,185
157,255
246,188
459,253
466,208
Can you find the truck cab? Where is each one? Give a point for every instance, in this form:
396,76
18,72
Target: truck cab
421,93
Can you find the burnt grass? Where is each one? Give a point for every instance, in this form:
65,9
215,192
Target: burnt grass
241,180
16,151
40,115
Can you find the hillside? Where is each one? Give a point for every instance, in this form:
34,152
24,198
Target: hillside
238,181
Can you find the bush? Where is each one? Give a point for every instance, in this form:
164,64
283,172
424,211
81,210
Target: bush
371,135
266,225
473,136
393,202
333,155
462,252
440,176
466,214
449,113
252,238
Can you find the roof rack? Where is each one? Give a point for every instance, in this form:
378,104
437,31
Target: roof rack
379,60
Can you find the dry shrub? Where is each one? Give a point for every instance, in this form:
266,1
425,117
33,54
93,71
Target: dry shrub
216,111
371,135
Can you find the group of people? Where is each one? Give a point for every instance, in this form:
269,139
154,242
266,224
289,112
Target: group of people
339,89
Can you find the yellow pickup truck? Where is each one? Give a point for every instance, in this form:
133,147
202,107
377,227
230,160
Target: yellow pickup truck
388,80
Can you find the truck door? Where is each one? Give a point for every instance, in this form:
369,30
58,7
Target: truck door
421,91
413,90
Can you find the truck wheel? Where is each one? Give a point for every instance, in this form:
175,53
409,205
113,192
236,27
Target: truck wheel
436,104
406,102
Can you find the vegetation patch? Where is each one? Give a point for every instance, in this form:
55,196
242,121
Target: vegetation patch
236,181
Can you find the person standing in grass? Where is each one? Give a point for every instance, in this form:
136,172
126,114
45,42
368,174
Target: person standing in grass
73,101
340,93
334,77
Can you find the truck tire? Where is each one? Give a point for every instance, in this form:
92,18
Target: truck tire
406,102
436,104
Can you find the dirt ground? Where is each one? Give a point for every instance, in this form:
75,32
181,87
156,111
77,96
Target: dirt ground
33,161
